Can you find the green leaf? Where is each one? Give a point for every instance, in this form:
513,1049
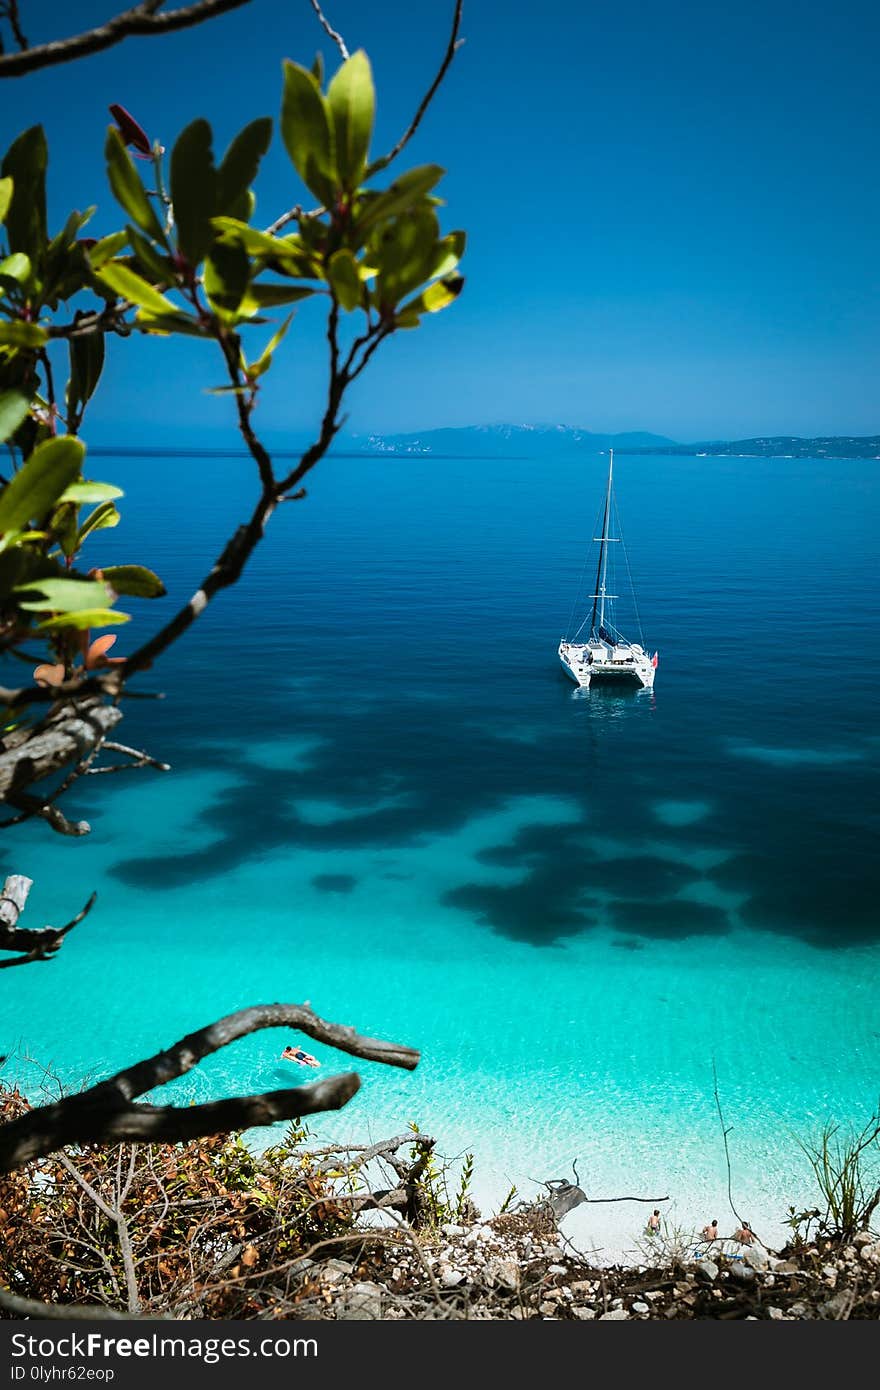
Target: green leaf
100,519
283,253
241,163
403,251
64,527
6,191
40,481
317,69
194,189
227,271
403,193
87,618
307,132
407,317
18,334
76,220
63,595
86,364
66,267
129,285
91,492
25,163
264,361
431,300
14,408
105,249
351,98
269,296
153,263
342,272
178,322
12,564
134,580
13,538
17,267
449,252
127,188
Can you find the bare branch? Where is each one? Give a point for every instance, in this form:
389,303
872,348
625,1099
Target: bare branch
329,30
137,756
83,1312
47,811
451,49
38,943
70,734
141,19
116,1215
231,348
106,1111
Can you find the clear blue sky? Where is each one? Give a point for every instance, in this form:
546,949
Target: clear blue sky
673,208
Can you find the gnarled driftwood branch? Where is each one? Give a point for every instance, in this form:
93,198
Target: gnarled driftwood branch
106,1111
35,943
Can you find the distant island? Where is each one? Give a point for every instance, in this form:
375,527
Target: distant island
524,441
776,446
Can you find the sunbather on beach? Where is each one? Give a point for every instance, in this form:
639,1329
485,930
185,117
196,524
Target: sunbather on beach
654,1222
710,1231
745,1235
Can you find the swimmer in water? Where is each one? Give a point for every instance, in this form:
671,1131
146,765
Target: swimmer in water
296,1054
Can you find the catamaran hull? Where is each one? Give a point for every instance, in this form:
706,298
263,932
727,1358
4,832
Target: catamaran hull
585,670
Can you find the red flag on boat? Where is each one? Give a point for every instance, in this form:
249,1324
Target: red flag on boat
655,660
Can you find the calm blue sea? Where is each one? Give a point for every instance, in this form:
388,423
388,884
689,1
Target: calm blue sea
387,799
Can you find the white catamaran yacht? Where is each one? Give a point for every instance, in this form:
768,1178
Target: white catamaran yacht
606,655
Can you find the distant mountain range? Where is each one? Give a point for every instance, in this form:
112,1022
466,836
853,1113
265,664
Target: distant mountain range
524,441
506,441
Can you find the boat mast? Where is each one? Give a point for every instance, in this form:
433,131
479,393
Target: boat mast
602,569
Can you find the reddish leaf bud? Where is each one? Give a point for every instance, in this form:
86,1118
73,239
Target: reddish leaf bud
132,133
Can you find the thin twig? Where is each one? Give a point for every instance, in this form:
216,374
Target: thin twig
10,13
451,49
329,30
725,1130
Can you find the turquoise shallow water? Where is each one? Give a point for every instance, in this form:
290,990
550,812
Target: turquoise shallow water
388,800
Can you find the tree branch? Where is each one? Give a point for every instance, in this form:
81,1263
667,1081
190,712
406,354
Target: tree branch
141,19
225,571
39,943
451,49
71,733
106,1112
329,30
74,1312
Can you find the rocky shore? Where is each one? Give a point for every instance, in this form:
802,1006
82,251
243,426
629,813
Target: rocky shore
518,1266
